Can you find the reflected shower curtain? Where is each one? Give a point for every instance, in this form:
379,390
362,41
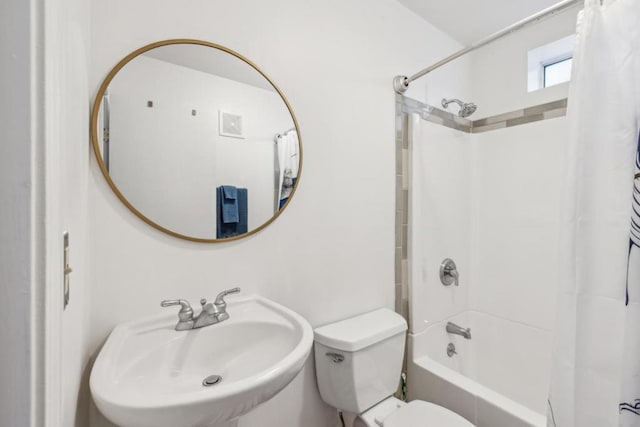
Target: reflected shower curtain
595,378
288,161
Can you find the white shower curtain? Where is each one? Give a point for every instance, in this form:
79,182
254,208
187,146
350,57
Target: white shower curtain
596,360
288,160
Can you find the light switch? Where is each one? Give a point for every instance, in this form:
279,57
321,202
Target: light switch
66,269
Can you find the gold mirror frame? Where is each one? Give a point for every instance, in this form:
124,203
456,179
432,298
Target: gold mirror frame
96,145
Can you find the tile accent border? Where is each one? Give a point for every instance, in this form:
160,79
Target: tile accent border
403,130
536,113
435,115
406,106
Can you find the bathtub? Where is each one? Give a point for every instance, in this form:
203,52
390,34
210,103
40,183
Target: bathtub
498,378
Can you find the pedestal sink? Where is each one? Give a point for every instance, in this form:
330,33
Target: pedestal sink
149,375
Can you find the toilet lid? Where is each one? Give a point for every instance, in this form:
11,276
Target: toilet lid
424,414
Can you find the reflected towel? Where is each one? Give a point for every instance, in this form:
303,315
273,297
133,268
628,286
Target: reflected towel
230,204
224,230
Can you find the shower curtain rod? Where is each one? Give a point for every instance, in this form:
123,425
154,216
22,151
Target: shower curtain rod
401,83
285,133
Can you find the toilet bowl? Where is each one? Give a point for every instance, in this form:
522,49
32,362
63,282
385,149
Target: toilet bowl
358,364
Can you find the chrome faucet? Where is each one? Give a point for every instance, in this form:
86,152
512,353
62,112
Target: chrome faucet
210,313
216,312
452,328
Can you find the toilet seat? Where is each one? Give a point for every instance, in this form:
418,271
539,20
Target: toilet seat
419,413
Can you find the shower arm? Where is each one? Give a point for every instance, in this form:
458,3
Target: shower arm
446,102
401,83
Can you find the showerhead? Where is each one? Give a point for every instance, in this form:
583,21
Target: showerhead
466,108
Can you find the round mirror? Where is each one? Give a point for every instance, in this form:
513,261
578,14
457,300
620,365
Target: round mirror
196,140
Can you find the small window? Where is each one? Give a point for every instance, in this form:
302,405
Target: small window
557,72
550,64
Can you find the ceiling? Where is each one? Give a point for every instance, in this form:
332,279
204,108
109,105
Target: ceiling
211,61
470,20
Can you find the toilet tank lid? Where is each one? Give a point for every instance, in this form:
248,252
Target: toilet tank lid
361,331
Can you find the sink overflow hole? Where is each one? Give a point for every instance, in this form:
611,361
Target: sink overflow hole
211,380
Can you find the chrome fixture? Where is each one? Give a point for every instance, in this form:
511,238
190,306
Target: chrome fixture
335,357
401,83
449,272
451,349
285,133
185,315
216,312
466,108
452,328
209,315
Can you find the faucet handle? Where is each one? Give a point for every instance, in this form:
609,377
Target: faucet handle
220,298
185,313
169,302
449,272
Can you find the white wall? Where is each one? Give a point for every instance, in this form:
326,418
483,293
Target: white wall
67,166
517,172
17,215
330,255
500,69
168,162
44,151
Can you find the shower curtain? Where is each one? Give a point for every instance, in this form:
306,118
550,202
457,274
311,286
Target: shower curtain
595,378
288,160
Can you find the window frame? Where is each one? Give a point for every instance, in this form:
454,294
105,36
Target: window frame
546,55
552,62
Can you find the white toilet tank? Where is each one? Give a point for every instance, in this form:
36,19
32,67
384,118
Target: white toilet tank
358,360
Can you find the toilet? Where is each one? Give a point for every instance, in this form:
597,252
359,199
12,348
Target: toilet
358,364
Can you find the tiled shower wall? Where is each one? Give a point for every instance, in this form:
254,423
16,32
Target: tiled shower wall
406,106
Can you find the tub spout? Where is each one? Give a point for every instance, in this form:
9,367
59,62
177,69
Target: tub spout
452,328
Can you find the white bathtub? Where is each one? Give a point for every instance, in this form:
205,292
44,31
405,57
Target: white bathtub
499,378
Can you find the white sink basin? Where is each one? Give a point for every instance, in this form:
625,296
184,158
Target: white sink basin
149,375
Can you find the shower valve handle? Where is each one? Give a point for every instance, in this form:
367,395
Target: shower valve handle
449,272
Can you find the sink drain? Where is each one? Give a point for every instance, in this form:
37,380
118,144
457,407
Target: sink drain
211,380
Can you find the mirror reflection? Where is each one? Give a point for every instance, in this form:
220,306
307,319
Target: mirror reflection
196,141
